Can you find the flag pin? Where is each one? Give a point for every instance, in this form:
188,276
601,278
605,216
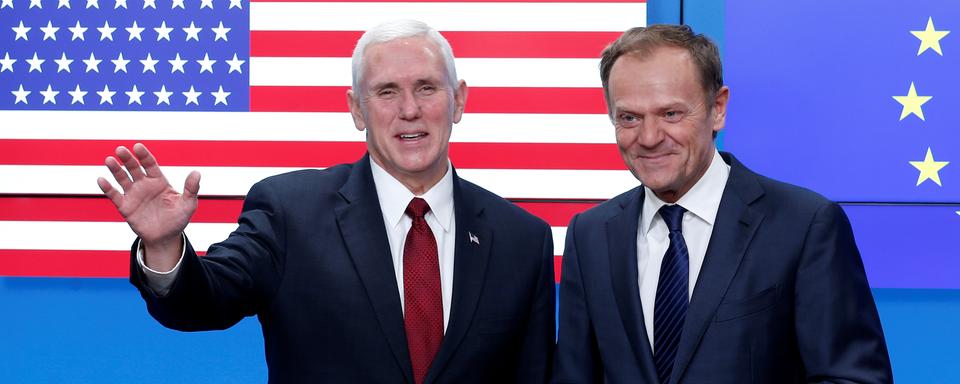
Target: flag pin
473,238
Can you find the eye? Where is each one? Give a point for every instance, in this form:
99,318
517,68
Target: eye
386,93
673,116
426,89
627,120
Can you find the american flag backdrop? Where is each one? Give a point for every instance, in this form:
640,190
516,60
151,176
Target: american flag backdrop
242,90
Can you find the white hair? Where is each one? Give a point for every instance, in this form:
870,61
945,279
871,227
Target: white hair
400,29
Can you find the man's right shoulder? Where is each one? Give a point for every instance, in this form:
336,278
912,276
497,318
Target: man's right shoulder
610,208
308,181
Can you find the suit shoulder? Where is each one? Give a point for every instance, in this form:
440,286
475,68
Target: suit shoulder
306,181
605,210
792,195
500,209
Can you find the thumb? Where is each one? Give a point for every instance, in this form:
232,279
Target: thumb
191,186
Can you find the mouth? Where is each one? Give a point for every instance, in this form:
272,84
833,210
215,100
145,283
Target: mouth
411,136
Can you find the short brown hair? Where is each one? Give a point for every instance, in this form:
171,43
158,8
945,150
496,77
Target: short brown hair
642,41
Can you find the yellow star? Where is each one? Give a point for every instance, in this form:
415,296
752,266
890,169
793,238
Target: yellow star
929,169
930,38
912,103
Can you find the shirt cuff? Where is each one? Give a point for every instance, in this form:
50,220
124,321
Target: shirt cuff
159,282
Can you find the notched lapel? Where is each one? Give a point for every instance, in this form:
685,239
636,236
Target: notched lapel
361,226
622,248
734,228
469,272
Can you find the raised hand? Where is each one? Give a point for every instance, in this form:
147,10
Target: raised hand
153,209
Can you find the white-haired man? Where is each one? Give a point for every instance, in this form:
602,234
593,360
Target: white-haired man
388,270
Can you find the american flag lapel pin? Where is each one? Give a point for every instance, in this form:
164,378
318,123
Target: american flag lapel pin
473,238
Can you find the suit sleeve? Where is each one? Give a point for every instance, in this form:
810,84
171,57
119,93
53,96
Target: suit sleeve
577,356
838,328
536,355
237,277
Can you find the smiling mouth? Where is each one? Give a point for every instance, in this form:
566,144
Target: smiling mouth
412,136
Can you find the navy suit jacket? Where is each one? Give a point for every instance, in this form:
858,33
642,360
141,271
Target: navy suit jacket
782,296
311,260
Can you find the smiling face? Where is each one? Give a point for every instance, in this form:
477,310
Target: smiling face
663,121
407,106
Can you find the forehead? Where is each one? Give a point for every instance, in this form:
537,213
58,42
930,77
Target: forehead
664,73
415,58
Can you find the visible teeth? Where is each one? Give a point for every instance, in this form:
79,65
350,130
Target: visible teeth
411,136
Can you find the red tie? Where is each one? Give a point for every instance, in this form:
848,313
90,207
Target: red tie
423,312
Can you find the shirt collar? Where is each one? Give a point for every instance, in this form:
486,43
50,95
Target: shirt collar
394,197
703,200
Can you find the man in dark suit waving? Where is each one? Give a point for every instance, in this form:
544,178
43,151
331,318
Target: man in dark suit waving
388,270
708,272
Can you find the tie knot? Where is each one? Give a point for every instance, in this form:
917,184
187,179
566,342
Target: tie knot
417,208
673,216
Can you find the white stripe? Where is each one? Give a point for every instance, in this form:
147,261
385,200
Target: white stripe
117,236
493,16
477,72
289,126
236,181
106,236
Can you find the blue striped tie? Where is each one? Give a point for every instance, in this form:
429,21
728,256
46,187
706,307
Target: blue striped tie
670,308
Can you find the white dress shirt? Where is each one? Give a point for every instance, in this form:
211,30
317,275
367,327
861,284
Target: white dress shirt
394,198
701,202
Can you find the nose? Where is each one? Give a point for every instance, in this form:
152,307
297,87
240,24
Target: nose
650,134
409,108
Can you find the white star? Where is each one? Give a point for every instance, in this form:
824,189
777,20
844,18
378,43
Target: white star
49,96
192,31
63,63
192,96
21,95
149,64
77,95
120,64
35,4
206,3
77,31
106,95
134,95
149,4
21,32
177,64
206,64
93,3
50,32
106,31
235,64
92,63
235,3
221,32
176,4
6,64
35,63
135,31
120,3
63,3
163,32
221,96
6,3
163,96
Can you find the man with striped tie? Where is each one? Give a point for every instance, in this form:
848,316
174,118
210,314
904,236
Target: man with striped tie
388,270
708,272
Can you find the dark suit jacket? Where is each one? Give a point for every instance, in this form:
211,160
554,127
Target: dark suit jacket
310,258
782,296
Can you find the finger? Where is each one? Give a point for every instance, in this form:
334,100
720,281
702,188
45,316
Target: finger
118,172
131,163
191,186
149,163
115,196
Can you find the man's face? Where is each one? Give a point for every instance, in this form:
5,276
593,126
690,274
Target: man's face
408,109
664,125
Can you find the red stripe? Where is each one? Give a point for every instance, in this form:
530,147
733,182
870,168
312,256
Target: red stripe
308,154
557,263
464,44
218,210
481,100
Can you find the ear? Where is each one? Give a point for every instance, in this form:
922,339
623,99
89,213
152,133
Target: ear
720,108
459,100
353,102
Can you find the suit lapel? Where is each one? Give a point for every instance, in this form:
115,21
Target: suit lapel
733,229
469,271
622,248
361,226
